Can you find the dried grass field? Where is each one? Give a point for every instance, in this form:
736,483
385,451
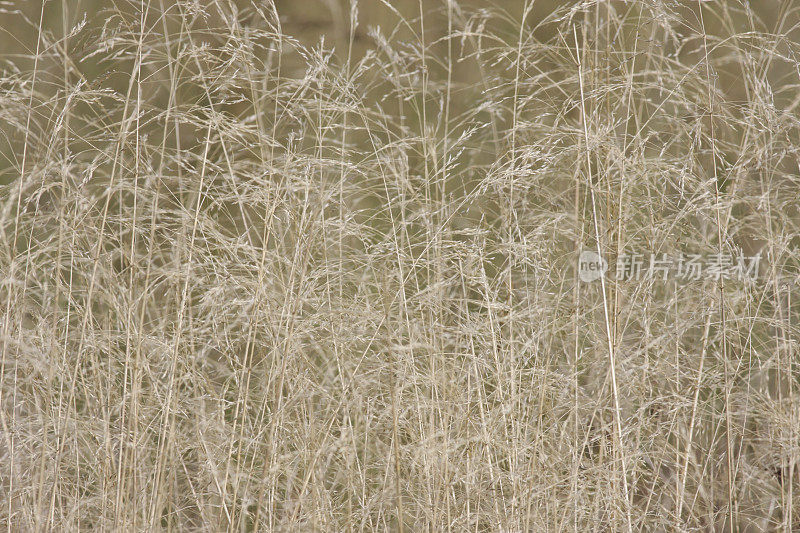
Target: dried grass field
314,265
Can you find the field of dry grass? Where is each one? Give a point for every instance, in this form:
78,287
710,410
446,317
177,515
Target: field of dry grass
312,265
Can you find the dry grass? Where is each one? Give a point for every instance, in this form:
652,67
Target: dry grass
268,273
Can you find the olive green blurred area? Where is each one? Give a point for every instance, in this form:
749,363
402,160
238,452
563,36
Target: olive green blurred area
67,37
312,20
